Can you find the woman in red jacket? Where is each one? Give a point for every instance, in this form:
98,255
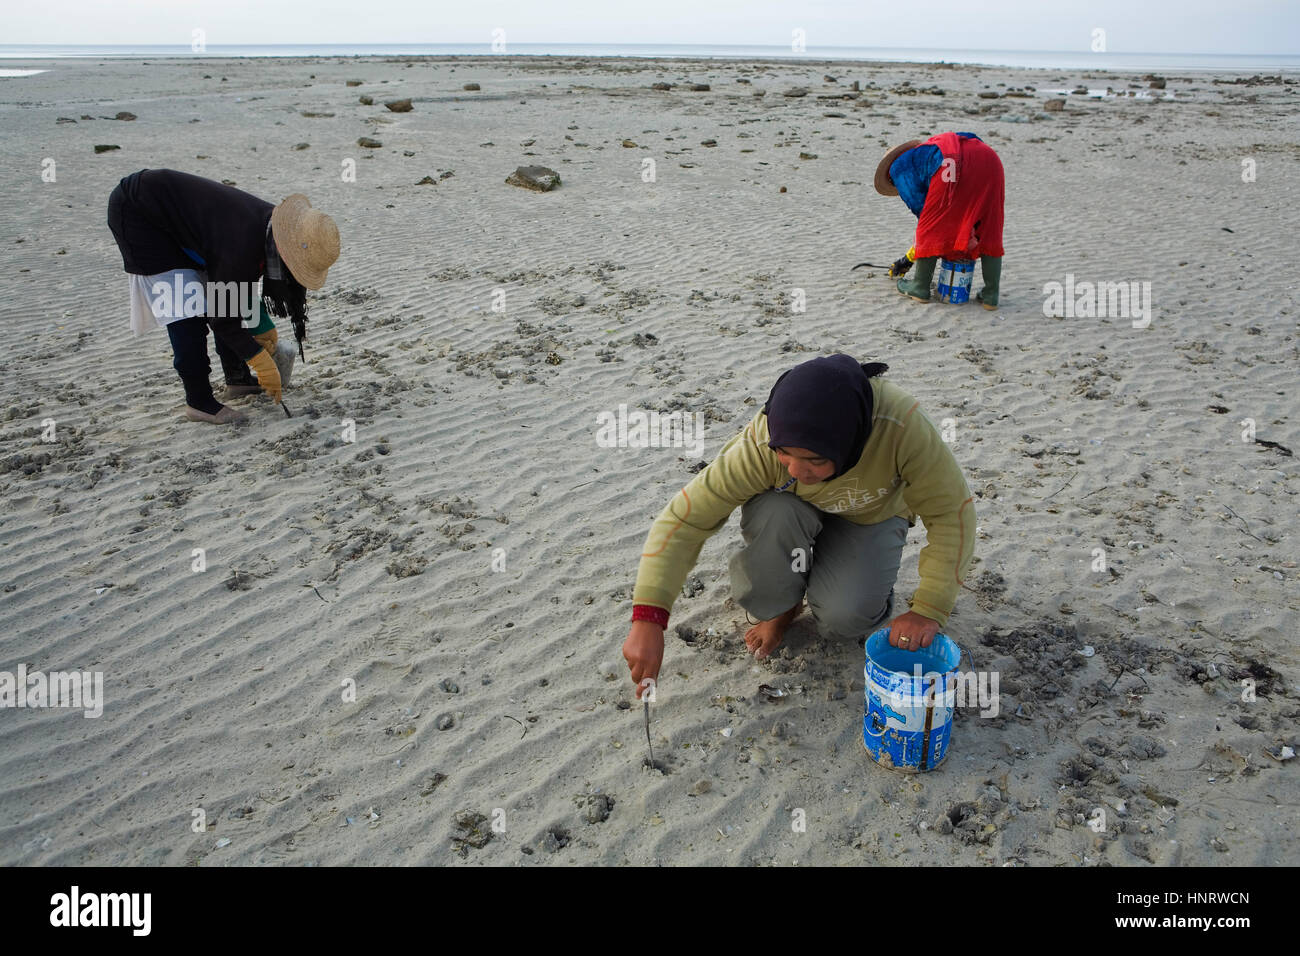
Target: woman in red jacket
953,184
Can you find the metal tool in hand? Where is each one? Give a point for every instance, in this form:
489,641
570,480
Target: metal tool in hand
899,267
647,733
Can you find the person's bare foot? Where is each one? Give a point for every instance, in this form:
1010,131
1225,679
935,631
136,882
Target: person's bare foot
766,636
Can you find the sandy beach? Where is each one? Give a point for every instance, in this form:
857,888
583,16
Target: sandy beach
403,645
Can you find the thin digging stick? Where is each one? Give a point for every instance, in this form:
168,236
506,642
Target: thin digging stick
1062,488
1246,529
647,735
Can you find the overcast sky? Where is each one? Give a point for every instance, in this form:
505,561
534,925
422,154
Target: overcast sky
1131,26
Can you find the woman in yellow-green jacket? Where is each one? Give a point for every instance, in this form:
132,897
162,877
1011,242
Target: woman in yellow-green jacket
829,476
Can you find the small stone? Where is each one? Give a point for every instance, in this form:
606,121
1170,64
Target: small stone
445,722
1054,106
700,87
599,806
471,87
556,839
700,787
782,189
368,143
472,832
807,155
302,146
105,147
427,181
537,178
450,686
367,101
353,82
628,144
124,115
661,86
399,106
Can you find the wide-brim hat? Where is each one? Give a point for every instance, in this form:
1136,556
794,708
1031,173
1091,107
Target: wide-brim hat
884,185
306,238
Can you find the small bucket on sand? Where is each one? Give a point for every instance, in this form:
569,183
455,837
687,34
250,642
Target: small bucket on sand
286,352
910,695
955,277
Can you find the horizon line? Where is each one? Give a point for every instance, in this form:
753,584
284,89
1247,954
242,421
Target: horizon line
538,43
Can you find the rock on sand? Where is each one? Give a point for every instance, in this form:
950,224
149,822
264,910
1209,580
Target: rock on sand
537,178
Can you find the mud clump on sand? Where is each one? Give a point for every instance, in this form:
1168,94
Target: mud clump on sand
472,832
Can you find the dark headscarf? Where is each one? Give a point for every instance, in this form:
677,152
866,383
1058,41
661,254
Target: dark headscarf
282,294
825,406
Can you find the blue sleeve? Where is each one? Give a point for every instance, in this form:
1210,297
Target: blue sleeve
911,174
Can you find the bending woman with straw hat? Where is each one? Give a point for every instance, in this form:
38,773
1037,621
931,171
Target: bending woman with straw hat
195,250
953,183
828,478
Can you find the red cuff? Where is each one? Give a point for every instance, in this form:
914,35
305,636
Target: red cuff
647,612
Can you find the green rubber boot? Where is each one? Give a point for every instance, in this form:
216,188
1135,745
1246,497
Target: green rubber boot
918,287
991,267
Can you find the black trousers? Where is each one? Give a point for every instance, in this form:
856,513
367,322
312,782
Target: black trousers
190,359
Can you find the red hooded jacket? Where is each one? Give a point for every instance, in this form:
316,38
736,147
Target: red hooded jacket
962,216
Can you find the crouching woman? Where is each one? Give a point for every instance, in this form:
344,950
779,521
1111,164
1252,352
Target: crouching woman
828,477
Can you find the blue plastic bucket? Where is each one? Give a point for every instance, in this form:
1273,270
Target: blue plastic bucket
907,714
955,278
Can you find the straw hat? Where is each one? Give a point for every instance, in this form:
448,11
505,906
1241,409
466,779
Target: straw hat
884,185
306,238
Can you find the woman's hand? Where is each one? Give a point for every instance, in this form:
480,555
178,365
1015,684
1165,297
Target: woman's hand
912,631
644,652
268,375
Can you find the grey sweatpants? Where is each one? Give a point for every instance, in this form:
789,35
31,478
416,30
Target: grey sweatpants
791,548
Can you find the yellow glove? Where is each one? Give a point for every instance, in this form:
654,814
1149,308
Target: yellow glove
903,263
268,339
268,376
